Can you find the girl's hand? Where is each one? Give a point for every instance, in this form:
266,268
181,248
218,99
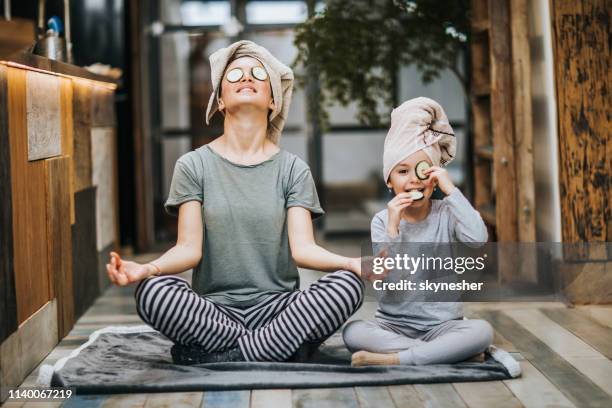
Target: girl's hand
394,212
125,272
438,175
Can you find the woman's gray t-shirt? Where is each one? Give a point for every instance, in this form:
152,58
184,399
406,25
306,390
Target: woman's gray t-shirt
245,251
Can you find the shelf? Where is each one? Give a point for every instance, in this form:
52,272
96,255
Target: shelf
26,60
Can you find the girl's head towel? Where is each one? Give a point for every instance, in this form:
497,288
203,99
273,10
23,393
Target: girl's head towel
418,124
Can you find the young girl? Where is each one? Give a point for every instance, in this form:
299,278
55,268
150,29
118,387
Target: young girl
419,141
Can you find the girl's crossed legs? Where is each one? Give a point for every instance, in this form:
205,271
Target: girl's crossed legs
449,342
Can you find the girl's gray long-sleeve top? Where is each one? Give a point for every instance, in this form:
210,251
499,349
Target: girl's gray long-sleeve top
452,219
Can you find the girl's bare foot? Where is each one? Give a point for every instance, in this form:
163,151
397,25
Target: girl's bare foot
478,358
364,358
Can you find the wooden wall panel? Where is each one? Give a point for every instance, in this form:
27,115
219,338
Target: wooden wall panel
43,115
523,121
82,135
102,107
32,280
102,158
67,135
8,306
84,253
583,77
501,112
59,239
27,347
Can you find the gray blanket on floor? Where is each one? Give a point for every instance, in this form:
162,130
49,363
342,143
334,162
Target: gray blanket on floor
141,362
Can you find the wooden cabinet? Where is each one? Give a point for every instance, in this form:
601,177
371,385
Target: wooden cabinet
57,138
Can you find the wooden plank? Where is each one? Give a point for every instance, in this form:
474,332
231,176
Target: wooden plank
85,401
102,158
581,42
103,107
374,397
602,314
32,286
534,390
174,399
589,361
277,398
406,396
82,156
13,404
596,335
8,302
503,131
440,395
125,401
487,394
579,389
221,399
68,134
523,128
21,352
59,239
84,253
81,101
43,404
527,270
325,398
81,105
43,115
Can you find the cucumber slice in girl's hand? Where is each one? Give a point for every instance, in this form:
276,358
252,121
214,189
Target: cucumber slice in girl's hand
416,195
420,169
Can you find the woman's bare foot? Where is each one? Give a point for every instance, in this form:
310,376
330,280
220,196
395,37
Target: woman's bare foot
364,358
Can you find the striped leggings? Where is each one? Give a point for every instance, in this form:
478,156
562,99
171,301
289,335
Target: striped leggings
271,330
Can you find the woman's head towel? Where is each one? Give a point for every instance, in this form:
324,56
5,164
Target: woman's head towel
281,79
418,124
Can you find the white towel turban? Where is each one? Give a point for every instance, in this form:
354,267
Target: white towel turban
281,79
418,124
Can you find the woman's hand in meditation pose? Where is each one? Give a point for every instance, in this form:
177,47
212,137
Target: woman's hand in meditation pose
123,273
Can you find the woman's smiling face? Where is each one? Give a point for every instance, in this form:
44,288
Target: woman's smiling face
248,90
403,178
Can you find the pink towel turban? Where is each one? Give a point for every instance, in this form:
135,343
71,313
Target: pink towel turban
418,124
281,79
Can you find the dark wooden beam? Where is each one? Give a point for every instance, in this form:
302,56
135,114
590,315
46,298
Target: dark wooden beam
8,305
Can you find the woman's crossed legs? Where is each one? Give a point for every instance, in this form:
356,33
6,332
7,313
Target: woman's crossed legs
270,331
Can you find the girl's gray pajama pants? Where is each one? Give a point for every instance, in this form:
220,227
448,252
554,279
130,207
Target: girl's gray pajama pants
271,330
448,342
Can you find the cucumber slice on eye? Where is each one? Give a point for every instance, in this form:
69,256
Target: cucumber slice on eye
420,169
416,195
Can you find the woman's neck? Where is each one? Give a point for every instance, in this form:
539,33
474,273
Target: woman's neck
244,139
416,214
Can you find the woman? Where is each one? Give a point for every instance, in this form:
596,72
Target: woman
244,222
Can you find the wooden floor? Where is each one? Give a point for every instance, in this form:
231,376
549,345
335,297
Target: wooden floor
565,356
